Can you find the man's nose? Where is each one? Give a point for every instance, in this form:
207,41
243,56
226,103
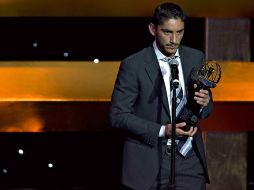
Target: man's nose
174,38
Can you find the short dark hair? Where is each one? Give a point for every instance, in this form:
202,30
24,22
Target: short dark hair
167,11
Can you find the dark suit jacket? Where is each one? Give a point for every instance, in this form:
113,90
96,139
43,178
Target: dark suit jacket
139,105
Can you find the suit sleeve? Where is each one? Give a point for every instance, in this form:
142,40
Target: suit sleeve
124,99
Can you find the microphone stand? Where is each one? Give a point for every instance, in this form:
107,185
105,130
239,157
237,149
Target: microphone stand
174,84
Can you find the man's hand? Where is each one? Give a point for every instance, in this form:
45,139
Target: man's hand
202,97
179,130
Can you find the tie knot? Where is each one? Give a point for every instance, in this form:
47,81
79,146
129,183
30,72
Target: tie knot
171,60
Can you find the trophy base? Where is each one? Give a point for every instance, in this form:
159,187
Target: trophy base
189,118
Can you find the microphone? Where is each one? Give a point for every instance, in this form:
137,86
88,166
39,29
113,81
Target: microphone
174,73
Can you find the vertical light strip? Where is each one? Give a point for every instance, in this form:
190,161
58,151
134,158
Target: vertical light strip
206,38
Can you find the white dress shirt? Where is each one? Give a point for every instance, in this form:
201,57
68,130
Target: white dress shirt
166,72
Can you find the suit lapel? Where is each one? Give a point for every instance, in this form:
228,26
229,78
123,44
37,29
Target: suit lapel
185,65
154,72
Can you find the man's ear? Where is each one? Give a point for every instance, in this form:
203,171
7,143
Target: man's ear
152,29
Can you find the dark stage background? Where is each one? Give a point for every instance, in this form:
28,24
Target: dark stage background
76,137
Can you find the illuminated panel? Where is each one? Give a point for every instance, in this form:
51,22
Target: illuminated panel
86,81
123,8
237,82
57,81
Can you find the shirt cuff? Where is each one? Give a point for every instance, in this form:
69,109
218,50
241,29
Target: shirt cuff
162,131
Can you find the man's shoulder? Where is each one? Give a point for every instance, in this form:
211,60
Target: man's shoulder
190,50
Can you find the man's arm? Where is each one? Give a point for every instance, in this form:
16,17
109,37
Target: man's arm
123,102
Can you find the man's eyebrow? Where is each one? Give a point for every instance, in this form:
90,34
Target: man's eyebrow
181,30
168,30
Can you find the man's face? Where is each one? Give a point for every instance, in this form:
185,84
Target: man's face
168,35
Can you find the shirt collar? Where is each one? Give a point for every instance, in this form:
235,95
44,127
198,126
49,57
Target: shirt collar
161,55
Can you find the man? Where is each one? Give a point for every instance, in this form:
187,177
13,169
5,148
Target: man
141,106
